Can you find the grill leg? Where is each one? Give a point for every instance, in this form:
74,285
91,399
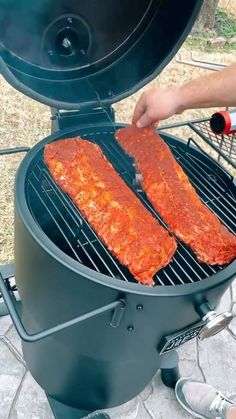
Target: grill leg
170,369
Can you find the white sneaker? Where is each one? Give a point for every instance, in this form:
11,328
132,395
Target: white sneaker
202,400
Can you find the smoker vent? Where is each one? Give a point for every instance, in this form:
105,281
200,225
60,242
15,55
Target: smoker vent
62,222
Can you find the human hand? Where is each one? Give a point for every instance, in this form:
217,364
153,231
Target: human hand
155,105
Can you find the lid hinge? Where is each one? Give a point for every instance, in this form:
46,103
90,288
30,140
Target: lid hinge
90,116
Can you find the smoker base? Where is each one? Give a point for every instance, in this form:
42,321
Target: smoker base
62,411
169,375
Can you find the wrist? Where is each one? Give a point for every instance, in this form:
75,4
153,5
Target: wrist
179,101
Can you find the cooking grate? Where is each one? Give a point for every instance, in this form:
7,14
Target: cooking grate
225,145
60,219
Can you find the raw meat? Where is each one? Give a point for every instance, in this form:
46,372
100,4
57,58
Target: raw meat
175,199
124,225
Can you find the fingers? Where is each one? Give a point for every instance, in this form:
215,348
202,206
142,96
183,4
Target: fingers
139,109
145,121
155,105
143,114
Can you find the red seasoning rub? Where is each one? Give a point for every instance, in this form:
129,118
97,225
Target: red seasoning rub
124,225
174,198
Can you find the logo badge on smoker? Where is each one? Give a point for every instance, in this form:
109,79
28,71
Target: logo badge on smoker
173,341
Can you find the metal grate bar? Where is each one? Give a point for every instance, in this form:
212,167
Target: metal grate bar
203,175
229,197
57,190
60,213
125,170
169,278
224,145
181,281
74,209
214,177
53,218
182,269
209,200
180,244
108,255
65,202
158,280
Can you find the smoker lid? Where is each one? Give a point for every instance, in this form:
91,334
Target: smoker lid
78,53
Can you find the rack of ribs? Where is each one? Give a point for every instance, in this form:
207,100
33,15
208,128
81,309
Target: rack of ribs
120,220
175,199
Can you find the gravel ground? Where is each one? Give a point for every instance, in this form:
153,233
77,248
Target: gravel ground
23,122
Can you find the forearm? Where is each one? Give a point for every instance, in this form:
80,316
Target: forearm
216,89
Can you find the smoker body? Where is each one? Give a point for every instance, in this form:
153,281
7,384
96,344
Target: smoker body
83,57
93,365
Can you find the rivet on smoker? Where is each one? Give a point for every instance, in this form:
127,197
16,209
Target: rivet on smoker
139,307
130,328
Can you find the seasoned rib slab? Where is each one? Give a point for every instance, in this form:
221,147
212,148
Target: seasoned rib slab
128,230
174,198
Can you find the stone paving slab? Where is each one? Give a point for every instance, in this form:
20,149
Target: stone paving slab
213,360
11,374
217,357
32,402
5,324
13,337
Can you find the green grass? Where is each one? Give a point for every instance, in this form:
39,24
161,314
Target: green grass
225,26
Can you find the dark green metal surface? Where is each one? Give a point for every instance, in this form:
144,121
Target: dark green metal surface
115,47
91,365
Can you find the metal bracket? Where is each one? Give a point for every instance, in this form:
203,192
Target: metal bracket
62,119
15,150
202,129
7,272
195,62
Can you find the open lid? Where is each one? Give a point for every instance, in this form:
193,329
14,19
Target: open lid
78,53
